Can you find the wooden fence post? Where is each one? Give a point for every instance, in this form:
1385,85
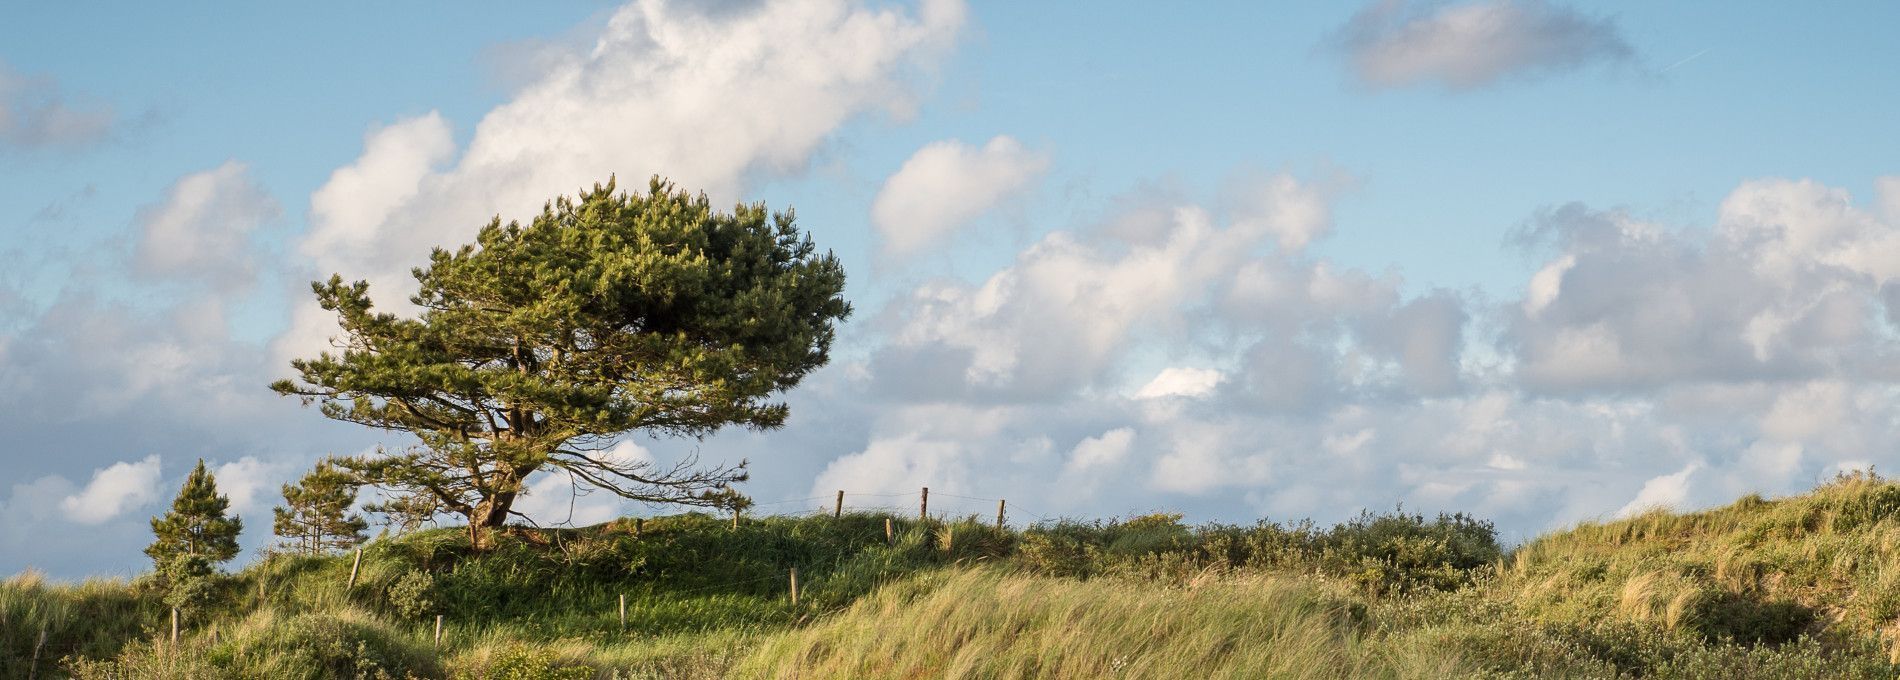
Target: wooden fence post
354,564
33,671
999,512
735,518
623,612
639,526
890,536
794,586
838,510
438,631
174,625
923,506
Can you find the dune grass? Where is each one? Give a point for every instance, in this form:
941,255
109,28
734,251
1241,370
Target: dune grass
1807,586
984,623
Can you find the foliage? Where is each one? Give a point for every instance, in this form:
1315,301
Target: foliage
1778,588
316,517
197,524
1385,553
413,595
539,345
521,662
191,539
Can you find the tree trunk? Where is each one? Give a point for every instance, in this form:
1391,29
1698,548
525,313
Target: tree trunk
489,516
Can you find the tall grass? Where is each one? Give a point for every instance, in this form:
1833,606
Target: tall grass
1798,587
983,623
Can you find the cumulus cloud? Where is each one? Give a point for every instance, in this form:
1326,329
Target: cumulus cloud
946,185
202,229
35,114
1663,492
706,96
1464,45
113,490
252,484
1787,285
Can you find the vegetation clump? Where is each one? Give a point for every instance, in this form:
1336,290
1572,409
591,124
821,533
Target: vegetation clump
1783,588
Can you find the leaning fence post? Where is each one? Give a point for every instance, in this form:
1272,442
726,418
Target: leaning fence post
438,631
838,510
33,671
623,612
999,512
890,536
354,564
923,506
794,586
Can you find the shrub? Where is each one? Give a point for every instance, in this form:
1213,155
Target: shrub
521,662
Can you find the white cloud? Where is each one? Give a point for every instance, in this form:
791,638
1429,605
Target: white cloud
114,490
1667,492
1107,449
705,96
251,484
947,184
1177,381
202,230
1787,285
553,499
1464,45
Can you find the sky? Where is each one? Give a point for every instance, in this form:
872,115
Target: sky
1543,262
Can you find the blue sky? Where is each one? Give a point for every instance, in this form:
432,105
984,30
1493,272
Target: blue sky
1543,261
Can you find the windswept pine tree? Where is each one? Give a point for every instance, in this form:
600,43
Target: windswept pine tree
315,517
540,345
197,525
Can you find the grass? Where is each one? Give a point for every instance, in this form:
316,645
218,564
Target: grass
1807,586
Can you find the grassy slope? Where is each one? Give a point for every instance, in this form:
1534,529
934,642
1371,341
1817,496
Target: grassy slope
1798,587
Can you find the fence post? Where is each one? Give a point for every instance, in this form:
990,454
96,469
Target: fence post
999,512
838,510
174,625
735,518
639,526
438,631
354,564
890,537
794,586
33,671
623,612
923,506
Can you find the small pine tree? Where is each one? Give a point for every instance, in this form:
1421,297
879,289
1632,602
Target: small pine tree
316,517
192,539
197,525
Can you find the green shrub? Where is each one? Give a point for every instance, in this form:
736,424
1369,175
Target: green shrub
521,662
413,594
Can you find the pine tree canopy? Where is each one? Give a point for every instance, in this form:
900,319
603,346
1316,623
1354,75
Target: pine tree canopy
316,517
197,525
539,345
